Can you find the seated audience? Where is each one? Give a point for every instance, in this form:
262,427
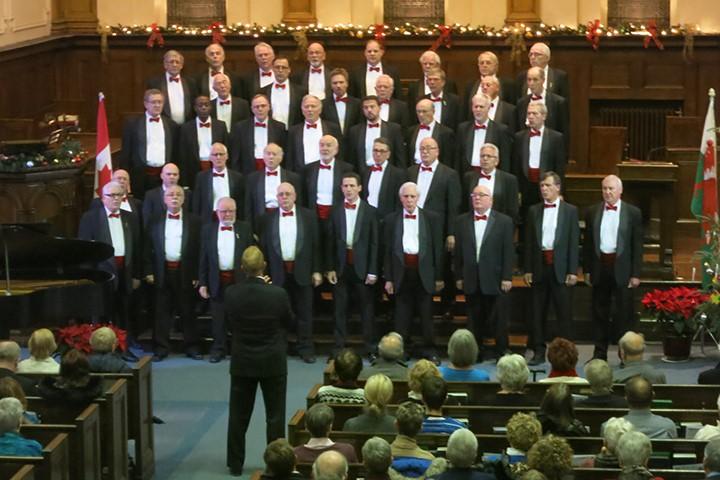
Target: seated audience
639,395
103,358
389,360
41,346
631,347
9,358
552,456
563,356
463,352
633,452
523,430
710,376
557,414
614,429
345,390
512,372
461,454
330,465
599,376
378,393
74,385
377,458
280,462
423,368
318,420
409,460
434,394
710,432
10,388
11,442
711,459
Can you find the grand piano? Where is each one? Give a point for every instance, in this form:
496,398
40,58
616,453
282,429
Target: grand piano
48,280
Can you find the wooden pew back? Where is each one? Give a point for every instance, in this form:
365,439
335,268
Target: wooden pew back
53,465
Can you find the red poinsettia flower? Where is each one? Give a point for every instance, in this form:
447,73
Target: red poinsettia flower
78,336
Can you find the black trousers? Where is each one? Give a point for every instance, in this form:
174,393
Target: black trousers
409,298
363,296
605,288
488,318
219,323
170,298
301,301
242,402
546,289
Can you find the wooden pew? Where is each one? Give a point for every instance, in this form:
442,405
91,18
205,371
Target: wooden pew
17,471
54,463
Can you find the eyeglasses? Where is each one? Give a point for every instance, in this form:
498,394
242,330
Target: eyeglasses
427,149
114,195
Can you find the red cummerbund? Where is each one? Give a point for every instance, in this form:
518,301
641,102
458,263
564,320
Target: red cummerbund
534,175
172,265
270,209
289,267
120,262
548,257
259,164
205,165
154,171
349,259
477,168
607,259
411,260
227,277
323,211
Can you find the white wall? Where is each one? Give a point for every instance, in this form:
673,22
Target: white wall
22,20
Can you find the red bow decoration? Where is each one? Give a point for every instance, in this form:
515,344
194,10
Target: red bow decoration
444,39
217,36
380,33
652,29
592,35
155,37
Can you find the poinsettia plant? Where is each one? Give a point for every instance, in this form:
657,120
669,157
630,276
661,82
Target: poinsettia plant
78,336
675,308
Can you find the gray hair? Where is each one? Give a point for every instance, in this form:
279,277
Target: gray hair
330,465
11,412
10,351
462,348
599,374
712,456
492,147
512,372
391,346
319,419
633,448
541,106
613,430
462,448
377,455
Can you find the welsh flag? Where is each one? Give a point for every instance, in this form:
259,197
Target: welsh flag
704,201
103,162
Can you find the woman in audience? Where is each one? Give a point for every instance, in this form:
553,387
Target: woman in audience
10,388
614,429
463,352
416,375
512,373
461,454
523,431
280,462
348,365
633,452
378,393
563,356
318,420
552,456
557,414
74,385
103,358
41,345
11,442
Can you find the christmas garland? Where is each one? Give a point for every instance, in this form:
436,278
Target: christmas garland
68,154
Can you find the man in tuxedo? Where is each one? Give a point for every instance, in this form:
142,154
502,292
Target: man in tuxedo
503,186
290,240
177,89
361,137
221,246
484,253
154,202
339,107
429,61
249,137
557,107
426,128
552,253
171,254
130,204
500,111
383,180
147,144
315,77
362,79
215,58
259,314
413,265
473,134
612,260
352,260
447,104
304,138
488,66
391,109
285,96
322,180
226,107
264,75
556,80
261,186
217,183
196,138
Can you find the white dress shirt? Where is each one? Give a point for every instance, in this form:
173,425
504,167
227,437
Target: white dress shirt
384,111
224,112
341,109
173,238
424,181
117,234
422,135
280,101
609,228
350,219
311,142
371,77
260,137
438,107
266,80
325,184
480,227
492,111
213,93
288,235
370,135
155,143
316,82
221,186
535,148
374,185
204,135
176,99
272,182
549,224
489,184
479,135
226,248
411,239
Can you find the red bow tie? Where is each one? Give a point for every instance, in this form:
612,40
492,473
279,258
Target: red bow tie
438,99
280,85
311,125
226,229
373,125
214,72
534,133
266,74
271,174
260,124
350,206
535,97
316,70
154,119
376,168
224,102
410,217
550,205
373,69
610,207
287,214
339,99
480,127
174,79
173,217
487,177
384,102
424,127
222,175
205,125
480,217
425,169
114,215
325,167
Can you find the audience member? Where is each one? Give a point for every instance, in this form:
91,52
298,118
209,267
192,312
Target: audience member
378,393
330,465
74,385
711,461
599,376
631,348
434,392
512,372
409,460
463,353
614,429
377,458
710,432
552,456
633,453
11,442
710,376
461,454
103,358
318,420
9,358
422,368
639,395
11,388
389,360
41,345
280,462
557,414
523,430
348,365
563,356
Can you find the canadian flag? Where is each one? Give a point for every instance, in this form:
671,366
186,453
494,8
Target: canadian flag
103,162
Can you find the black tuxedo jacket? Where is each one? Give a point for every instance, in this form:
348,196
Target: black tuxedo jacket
483,275
308,257
202,200
400,113
430,254
388,198
209,270
242,142
445,139
450,116
357,79
443,196
505,114
566,247
295,152
508,93
188,85
154,248
628,262
552,154
134,144
355,144
497,134
310,180
240,110
189,148
353,113
296,95
94,227
505,192
416,89
154,203
364,243
302,79
557,82
557,116
255,193
203,86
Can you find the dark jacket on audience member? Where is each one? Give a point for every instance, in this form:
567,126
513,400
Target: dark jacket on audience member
573,429
607,400
51,389
28,385
107,362
710,377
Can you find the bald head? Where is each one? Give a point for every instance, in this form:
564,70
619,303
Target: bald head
390,347
330,465
170,174
639,392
